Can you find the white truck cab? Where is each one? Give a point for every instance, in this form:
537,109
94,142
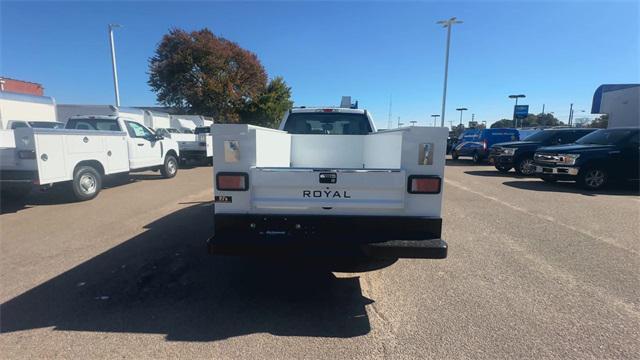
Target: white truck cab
328,180
88,149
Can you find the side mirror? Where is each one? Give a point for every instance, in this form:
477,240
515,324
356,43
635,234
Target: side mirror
159,137
559,141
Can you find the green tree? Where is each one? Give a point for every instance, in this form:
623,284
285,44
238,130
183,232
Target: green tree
201,73
601,122
269,108
502,123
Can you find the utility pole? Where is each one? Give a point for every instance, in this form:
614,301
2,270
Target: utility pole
570,114
542,109
113,62
447,24
473,117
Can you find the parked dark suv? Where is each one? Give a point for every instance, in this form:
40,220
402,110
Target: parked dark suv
519,154
594,160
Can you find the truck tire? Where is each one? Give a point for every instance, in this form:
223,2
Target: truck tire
524,166
503,168
86,183
593,178
454,155
170,167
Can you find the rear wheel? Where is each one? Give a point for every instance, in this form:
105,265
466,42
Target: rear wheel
503,168
593,178
454,155
87,183
525,166
476,158
170,168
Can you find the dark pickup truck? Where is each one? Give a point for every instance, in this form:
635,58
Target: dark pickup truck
519,154
594,160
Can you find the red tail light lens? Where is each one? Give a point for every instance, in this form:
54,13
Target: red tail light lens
232,181
424,184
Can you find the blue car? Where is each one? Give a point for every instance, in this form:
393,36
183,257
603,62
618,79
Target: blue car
476,146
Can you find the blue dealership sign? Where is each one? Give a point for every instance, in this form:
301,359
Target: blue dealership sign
521,111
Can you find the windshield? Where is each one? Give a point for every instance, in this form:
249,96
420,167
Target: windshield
203,130
46,125
330,123
605,137
541,136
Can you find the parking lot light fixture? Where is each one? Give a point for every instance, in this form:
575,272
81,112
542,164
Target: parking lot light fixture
446,24
435,119
515,125
113,62
461,110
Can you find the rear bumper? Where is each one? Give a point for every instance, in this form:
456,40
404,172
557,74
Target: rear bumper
18,177
380,236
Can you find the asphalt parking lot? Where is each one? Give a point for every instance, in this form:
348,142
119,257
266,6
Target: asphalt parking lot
535,270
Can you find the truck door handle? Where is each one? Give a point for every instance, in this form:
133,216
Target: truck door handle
141,144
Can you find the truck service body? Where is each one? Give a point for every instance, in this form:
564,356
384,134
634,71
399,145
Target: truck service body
88,149
65,111
327,180
21,107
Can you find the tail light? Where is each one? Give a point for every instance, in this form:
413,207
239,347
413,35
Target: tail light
484,144
232,181
424,184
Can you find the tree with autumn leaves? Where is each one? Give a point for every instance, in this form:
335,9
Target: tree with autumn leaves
200,73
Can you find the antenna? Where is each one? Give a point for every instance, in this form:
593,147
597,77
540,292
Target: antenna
389,120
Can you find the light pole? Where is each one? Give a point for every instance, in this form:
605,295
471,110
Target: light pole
461,110
447,24
399,123
435,119
515,125
113,62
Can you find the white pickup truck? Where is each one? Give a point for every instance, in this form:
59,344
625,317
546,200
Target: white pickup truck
89,148
326,180
196,146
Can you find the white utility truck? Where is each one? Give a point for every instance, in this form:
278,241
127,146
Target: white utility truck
326,180
88,149
20,110
192,146
156,120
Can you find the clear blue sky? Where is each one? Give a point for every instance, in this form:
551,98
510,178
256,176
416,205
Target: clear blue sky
554,52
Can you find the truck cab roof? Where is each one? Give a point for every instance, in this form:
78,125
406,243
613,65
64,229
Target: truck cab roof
327,121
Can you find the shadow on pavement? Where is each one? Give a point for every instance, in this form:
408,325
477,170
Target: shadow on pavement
496,173
571,187
163,282
463,162
61,194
